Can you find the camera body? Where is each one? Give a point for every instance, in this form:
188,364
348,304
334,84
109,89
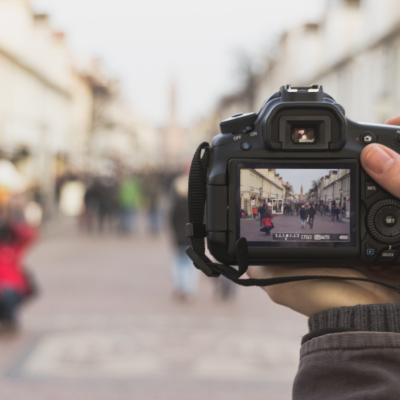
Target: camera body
289,180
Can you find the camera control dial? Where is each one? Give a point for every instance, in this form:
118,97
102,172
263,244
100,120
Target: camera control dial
239,123
383,221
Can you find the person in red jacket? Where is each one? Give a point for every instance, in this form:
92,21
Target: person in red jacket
255,212
267,222
14,285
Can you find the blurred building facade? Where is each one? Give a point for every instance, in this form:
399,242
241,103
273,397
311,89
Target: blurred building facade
59,115
354,52
119,137
174,137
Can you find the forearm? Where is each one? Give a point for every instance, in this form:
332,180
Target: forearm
351,353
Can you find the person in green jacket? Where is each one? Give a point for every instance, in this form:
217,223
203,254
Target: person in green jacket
129,194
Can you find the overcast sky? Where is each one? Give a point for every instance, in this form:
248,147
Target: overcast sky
298,177
148,43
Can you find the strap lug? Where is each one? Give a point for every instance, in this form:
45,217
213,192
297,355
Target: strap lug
200,264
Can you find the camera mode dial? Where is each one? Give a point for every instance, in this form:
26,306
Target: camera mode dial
383,221
239,123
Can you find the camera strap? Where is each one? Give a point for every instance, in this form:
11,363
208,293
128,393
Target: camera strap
196,231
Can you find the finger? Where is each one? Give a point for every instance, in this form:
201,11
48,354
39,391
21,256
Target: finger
393,121
383,166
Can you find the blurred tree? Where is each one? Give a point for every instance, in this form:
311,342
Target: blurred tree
247,76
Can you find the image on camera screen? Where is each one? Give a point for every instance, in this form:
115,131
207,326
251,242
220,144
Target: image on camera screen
295,205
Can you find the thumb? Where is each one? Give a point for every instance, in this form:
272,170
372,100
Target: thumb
393,121
383,166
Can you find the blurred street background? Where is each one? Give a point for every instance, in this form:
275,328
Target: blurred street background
102,105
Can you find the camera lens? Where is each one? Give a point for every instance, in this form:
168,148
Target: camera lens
302,134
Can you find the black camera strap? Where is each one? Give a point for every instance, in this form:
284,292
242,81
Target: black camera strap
196,231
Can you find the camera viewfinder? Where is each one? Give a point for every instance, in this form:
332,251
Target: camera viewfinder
304,135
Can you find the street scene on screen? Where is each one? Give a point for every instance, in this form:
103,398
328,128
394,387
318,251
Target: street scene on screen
295,205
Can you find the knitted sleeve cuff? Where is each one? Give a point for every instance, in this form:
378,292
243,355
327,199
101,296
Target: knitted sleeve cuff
372,317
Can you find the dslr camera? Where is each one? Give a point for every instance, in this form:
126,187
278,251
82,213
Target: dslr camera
289,180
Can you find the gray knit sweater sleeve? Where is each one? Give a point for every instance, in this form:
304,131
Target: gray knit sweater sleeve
373,318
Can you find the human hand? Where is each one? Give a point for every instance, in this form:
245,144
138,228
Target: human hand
312,296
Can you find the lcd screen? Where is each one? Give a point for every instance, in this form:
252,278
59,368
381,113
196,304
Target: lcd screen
295,205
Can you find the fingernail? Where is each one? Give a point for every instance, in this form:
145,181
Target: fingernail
378,160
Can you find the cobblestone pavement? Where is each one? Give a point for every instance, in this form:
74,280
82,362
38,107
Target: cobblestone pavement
250,228
105,327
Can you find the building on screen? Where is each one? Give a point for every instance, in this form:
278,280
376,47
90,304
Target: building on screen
262,186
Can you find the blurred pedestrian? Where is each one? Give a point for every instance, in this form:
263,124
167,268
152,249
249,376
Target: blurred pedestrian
129,195
152,192
15,285
184,274
107,202
225,289
255,212
91,206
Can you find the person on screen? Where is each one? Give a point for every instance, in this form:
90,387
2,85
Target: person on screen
303,216
267,222
261,211
337,213
286,209
311,214
255,212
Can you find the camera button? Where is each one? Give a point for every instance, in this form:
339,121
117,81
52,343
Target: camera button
245,146
388,254
382,213
370,189
370,251
390,220
387,221
368,137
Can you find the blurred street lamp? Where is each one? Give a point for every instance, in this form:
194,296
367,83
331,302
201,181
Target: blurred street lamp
260,189
340,204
